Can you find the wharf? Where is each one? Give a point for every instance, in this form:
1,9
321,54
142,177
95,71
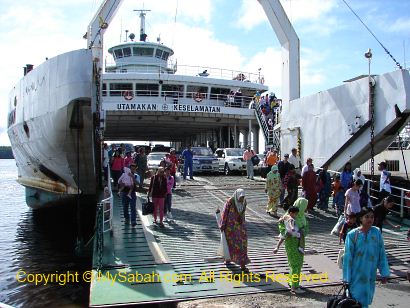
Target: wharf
183,254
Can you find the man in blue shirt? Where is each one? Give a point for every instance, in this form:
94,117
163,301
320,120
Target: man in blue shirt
188,155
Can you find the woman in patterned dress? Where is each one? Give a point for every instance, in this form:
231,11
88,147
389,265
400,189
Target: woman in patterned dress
234,225
273,187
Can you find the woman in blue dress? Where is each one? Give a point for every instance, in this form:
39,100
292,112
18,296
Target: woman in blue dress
364,254
346,177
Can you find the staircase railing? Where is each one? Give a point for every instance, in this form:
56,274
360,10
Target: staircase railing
272,137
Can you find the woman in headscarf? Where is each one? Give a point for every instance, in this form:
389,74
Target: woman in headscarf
295,255
234,226
273,187
364,197
364,254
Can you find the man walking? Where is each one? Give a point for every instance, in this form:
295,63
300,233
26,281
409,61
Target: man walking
188,156
294,159
247,156
283,167
128,196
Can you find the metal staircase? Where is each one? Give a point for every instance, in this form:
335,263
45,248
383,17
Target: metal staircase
272,136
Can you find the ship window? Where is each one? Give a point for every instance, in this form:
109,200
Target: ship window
393,165
173,90
118,89
104,89
165,55
192,91
127,52
220,93
158,53
146,89
118,53
143,52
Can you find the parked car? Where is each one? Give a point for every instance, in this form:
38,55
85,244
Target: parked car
204,160
258,168
160,148
230,160
153,160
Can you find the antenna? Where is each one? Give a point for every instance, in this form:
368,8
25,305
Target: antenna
143,35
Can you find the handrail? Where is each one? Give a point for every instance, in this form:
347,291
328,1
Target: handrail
189,70
397,192
226,100
103,218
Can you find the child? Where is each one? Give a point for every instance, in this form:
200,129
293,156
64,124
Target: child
339,200
168,198
347,226
125,180
335,186
287,227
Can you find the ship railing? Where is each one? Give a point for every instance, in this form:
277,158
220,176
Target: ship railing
177,97
103,221
108,206
187,70
400,195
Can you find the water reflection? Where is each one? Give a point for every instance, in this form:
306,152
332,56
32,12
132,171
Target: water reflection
36,242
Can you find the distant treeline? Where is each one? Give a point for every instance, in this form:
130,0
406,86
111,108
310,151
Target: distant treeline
6,153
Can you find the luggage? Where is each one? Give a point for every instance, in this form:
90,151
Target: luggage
343,300
255,160
147,207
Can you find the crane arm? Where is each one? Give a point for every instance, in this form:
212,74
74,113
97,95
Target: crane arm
100,22
290,48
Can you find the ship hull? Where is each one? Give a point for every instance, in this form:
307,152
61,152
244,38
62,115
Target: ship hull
51,130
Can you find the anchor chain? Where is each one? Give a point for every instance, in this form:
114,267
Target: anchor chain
371,107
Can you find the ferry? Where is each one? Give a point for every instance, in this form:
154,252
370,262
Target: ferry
61,111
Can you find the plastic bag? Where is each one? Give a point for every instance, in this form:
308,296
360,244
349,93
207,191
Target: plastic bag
338,226
223,249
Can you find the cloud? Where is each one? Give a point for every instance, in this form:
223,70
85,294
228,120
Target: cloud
400,25
251,13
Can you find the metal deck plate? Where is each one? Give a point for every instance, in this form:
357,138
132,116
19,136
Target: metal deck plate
183,254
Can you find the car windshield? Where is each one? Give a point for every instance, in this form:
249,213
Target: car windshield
234,152
202,151
158,156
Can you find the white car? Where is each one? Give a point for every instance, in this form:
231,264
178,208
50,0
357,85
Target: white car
230,159
153,160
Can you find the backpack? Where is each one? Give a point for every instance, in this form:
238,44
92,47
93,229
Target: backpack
255,160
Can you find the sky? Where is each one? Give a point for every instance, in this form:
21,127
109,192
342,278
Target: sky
230,34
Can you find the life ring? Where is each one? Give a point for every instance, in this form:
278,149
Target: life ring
128,95
198,97
262,80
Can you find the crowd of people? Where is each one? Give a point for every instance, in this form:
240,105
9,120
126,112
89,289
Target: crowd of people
360,230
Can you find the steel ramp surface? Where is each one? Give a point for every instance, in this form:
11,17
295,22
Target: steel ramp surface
184,252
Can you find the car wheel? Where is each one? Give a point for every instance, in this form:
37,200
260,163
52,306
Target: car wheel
227,171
